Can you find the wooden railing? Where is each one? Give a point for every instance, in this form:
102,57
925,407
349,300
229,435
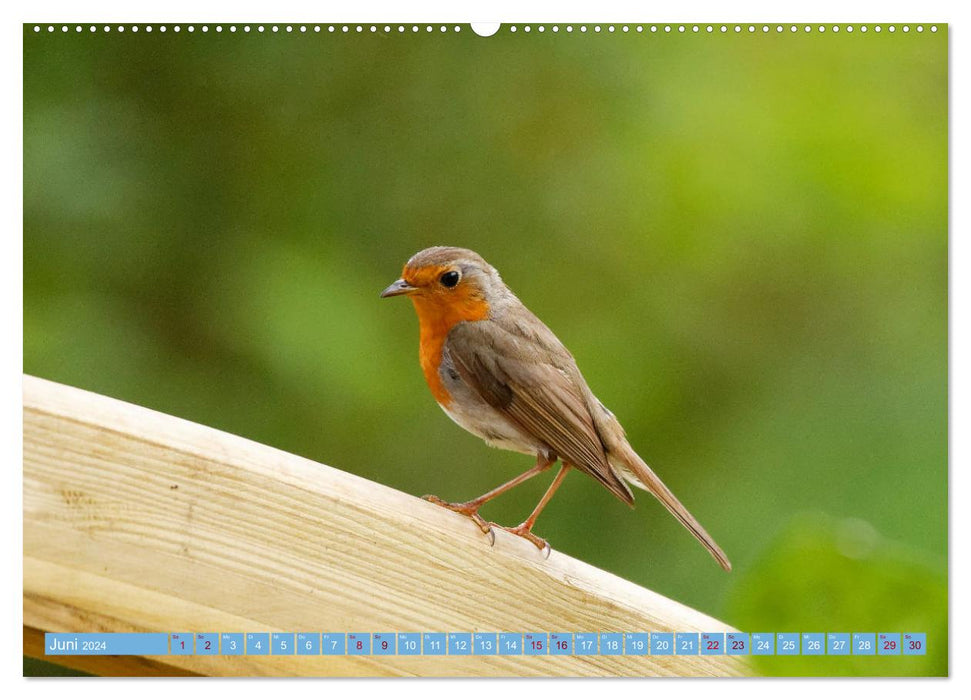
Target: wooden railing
135,521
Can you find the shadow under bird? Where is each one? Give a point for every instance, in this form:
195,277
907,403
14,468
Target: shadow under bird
501,374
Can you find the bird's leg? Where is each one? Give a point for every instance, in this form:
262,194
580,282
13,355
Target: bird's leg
471,508
525,529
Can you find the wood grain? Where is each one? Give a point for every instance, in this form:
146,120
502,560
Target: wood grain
138,521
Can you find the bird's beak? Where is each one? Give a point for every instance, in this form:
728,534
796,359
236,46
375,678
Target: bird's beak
397,288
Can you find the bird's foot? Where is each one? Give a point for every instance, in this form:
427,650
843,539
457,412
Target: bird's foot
469,508
522,530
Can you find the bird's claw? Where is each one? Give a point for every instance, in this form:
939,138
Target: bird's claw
470,509
527,534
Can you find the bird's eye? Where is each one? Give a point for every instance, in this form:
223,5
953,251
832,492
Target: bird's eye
449,279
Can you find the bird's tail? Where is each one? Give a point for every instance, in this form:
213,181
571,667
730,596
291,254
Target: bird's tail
636,471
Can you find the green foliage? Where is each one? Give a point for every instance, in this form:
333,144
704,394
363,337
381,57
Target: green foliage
848,579
38,668
743,240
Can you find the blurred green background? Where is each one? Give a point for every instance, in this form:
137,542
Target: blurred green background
742,239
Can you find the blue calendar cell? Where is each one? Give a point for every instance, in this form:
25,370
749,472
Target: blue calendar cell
864,643
409,643
283,643
231,643
763,643
611,643
180,643
888,643
585,643
382,643
813,643
686,643
459,643
358,643
257,643
485,643
838,643
333,643
561,643
510,643
636,643
308,643
106,643
787,644
207,643
915,643
434,644
536,643
712,643
662,643
736,643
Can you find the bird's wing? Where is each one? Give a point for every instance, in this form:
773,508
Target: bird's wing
529,377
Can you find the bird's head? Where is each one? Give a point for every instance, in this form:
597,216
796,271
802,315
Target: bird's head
453,284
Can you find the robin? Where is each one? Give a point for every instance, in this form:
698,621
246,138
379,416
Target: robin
501,374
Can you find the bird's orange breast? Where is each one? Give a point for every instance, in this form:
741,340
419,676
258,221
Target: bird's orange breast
436,317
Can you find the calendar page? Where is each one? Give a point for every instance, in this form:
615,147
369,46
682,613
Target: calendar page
678,290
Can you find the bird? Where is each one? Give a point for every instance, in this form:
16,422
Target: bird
500,373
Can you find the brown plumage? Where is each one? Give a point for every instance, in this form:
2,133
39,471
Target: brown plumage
501,374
